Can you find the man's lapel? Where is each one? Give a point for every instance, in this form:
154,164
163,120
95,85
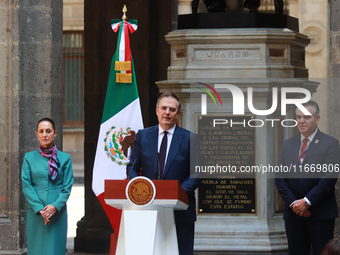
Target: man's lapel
153,136
296,148
313,145
174,147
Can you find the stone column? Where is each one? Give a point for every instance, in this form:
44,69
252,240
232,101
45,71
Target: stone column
31,50
334,84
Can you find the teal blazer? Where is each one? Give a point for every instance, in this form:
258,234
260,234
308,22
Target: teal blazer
38,188
39,192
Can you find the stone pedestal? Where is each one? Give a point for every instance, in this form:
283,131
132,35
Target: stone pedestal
236,53
247,58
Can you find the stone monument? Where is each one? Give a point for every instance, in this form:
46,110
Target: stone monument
238,216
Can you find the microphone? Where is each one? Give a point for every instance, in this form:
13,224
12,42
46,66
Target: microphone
130,170
158,168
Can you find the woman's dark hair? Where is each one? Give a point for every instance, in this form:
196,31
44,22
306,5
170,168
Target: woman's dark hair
48,120
332,247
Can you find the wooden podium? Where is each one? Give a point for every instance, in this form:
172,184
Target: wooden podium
147,225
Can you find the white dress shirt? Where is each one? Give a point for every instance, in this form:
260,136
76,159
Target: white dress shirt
169,136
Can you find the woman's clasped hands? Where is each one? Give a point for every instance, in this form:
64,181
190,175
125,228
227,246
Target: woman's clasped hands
47,213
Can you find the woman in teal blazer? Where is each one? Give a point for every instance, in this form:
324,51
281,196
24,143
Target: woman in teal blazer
47,180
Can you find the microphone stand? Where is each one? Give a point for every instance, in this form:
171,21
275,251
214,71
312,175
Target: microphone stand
129,175
158,168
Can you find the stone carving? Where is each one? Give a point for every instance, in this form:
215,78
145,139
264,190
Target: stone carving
315,33
227,54
220,5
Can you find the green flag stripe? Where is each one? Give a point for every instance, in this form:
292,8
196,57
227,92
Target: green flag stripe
118,42
118,95
113,21
133,21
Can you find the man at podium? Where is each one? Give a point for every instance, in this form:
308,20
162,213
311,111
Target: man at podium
166,152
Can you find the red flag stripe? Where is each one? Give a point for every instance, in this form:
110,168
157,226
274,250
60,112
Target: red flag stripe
127,43
112,213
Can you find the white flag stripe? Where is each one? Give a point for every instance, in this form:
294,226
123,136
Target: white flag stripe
122,45
134,26
104,168
114,25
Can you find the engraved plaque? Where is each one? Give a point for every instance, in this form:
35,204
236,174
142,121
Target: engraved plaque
226,149
227,54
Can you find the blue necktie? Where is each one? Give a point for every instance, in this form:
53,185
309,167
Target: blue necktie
162,153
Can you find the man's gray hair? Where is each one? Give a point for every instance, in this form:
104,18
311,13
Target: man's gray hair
169,94
316,111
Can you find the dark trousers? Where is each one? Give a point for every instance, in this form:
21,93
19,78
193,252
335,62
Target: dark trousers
185,237
303,233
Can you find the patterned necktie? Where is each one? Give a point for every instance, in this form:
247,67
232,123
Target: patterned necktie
303,149
162,153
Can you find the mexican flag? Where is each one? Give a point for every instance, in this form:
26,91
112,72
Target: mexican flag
120,121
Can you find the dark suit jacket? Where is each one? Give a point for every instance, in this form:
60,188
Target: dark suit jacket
319,189
144,157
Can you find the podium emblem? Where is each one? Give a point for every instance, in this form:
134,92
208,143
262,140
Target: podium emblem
140,191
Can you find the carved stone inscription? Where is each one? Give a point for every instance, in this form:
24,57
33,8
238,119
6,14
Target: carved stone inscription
228,151
227,196
227,54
